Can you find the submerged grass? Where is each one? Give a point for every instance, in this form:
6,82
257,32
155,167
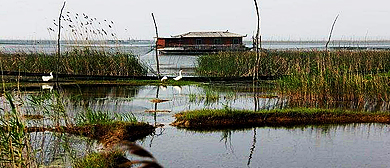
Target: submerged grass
208,97
216,118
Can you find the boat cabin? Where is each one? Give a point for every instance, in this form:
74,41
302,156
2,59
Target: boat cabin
201,42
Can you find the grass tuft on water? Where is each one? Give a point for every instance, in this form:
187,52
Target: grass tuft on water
90,117
100,160
217,118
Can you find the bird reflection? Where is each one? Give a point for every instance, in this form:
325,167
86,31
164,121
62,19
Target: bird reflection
47,87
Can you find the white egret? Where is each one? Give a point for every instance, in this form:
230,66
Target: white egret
178,77
164,78
47,78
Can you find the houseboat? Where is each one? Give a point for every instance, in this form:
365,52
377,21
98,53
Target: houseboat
201,43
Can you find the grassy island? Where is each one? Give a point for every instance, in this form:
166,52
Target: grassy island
212,119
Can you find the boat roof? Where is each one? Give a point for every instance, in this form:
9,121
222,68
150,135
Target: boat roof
208,34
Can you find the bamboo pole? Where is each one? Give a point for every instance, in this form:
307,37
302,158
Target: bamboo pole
157,62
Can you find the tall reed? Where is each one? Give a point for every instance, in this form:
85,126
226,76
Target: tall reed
77,62
328,75
15,150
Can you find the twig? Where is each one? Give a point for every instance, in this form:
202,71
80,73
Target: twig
331,31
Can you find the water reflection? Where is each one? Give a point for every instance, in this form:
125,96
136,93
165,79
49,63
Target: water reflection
365,104
60,149
252,148
353,145
137,100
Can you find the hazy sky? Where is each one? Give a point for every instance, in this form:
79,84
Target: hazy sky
281,19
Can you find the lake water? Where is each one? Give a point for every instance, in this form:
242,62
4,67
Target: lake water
352,145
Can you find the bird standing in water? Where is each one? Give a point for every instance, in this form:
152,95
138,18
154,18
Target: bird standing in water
178,77
164,78
47,78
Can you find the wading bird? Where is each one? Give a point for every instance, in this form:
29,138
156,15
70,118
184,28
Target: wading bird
164,78
178,77
47,78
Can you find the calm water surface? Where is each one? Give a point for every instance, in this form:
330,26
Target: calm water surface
355,145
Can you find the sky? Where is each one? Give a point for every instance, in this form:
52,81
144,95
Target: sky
280,19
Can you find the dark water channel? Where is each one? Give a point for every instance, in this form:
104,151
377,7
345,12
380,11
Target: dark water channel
353,145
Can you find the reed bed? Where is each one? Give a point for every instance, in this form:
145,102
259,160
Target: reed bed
332,75
87,38
76,62
280,63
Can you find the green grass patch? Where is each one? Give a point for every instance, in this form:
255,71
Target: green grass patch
90,117
99,160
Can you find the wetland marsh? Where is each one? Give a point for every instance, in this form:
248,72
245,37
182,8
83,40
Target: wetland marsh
338,81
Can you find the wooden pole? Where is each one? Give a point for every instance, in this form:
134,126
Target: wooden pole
58,40
257,43
330,34
157,62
